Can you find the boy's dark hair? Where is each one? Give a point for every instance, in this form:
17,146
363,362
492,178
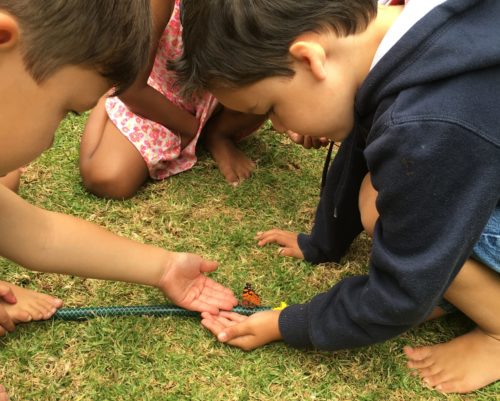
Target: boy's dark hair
110,36
232,43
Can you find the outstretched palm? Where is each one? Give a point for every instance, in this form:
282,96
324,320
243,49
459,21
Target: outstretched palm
186,284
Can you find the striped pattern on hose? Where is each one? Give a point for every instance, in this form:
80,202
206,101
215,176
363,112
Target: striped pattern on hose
141,310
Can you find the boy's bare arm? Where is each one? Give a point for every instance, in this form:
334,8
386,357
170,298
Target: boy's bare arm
57,243
146,101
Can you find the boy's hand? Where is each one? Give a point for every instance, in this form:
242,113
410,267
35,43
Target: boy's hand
306,141
287,241
185,284
6,322
245,332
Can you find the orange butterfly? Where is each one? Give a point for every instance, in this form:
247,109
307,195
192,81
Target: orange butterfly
250,299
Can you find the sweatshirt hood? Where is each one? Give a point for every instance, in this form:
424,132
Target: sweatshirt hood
445,43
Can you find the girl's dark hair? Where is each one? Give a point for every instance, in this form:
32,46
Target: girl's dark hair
111,37
233,43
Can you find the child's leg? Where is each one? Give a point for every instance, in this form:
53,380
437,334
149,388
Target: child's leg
220,135
30,305
471,361
12,180
468,362
366,204
111,167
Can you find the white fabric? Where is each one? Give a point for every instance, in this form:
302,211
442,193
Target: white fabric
413,12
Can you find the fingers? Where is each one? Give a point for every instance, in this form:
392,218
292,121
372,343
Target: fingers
245,332
7,294
5,320
218,323
287,240
297,138
208,266
201,306
291,252
214,286
275,236
212,298
308,142
233,316
209,304
223,299
235,333
318,142
324,141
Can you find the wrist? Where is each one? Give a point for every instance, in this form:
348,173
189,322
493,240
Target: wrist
161,275
275,332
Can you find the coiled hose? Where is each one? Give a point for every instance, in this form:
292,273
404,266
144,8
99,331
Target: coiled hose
140,310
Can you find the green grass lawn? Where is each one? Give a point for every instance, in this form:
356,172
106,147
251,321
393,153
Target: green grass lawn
138,358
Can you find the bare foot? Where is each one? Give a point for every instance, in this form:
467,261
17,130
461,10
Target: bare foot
234,165
30,305
3,394
462,365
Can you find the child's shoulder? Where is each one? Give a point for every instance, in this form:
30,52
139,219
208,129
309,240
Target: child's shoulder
162,11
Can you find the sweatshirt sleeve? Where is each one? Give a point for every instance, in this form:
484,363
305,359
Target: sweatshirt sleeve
437,187
337,220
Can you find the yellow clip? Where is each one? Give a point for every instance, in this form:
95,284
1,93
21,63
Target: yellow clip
282,306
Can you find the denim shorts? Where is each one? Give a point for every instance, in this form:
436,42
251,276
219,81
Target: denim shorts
487,249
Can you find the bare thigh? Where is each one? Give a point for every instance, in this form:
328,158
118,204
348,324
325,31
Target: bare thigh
366,204
476,292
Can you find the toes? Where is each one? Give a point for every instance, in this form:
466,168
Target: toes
424,363
41,312
430,371
50,301
21,316
451,387
57,303
231,177
417,354
436,380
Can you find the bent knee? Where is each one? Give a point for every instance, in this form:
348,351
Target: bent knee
109,182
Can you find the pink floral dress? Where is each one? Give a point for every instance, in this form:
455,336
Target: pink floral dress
160,147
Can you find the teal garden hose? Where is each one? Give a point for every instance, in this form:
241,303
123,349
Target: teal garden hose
140,310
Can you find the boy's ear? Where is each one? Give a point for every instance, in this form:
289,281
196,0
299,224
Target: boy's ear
9,31
312,53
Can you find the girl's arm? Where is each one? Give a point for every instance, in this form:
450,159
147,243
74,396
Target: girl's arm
57,243
146,101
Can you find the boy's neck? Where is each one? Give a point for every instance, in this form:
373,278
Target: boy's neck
361,48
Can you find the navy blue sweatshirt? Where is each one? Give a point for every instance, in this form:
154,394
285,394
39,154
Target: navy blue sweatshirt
428,130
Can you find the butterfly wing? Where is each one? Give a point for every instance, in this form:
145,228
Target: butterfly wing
250,299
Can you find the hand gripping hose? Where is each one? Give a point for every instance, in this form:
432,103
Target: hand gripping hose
140,310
